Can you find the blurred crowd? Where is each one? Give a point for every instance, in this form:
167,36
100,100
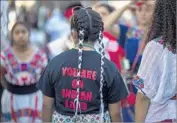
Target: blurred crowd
49,30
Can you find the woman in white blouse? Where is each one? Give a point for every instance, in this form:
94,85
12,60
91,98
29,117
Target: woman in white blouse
156,78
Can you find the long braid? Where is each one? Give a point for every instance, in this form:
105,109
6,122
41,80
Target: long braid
76,101
101,49
89,26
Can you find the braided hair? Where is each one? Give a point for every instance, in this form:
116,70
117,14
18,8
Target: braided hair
164,23
89,26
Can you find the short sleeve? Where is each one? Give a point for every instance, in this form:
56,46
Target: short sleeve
147,79
45,83
117,90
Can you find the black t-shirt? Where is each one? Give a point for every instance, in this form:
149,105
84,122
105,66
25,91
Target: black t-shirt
59,82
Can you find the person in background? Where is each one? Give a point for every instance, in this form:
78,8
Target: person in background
64,42
130,43
37,36
135,34
111,46
156,77
112,31
21,66
56,25
82,91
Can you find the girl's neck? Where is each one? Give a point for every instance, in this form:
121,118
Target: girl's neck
21,48
87,47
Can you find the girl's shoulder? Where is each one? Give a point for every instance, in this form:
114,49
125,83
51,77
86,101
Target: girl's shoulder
158,44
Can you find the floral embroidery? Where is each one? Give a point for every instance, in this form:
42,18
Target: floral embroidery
159,40
22,113
138,83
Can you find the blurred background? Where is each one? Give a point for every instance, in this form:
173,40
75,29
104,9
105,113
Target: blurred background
126,22
37,13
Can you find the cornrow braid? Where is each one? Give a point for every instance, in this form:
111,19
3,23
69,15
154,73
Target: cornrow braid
89,26
101,50
81,40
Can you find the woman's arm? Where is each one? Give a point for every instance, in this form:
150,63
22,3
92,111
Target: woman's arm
47,109
114,110
141,107
113,17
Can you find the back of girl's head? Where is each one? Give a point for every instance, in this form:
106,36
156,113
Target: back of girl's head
164,22
89,21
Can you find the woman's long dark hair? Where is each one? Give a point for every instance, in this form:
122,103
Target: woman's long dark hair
164,23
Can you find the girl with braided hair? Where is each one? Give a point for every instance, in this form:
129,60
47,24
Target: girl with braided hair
20,68
156,78
82,91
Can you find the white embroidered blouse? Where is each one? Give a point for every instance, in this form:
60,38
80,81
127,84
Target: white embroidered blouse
156,79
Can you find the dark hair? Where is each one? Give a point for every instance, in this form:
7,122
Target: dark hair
89,21
107,6
15,25
89,26
164,23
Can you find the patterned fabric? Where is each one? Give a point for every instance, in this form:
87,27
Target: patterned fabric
27,107
138,83
23,73
159,40
157,80
92,118
23,113
21,108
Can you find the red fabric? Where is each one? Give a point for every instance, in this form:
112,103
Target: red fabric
167,121
131,99
68,13
115,56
